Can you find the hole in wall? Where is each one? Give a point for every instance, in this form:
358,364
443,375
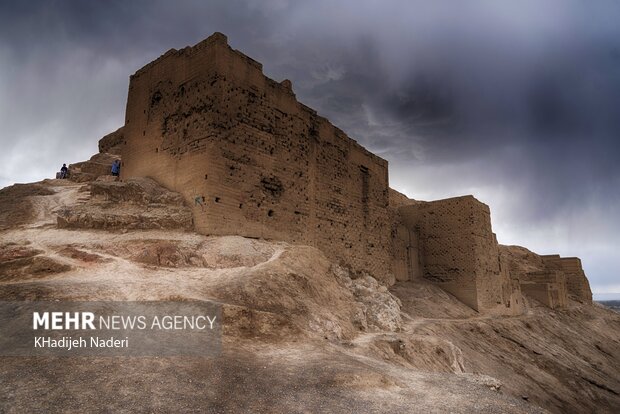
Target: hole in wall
272,185
217,199
270,213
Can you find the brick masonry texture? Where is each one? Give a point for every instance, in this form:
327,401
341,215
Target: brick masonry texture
252,161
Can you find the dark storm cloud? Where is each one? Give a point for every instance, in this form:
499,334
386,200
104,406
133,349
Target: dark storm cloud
516,102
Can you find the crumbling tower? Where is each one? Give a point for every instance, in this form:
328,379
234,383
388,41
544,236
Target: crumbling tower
251,160
459,252
576,281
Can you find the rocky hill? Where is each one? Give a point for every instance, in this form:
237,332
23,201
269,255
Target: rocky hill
301,333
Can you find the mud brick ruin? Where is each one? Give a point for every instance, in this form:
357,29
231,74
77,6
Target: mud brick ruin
575,279
253,161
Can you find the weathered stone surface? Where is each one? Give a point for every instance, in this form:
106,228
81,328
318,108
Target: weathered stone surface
295,325
549,279
25,263
576,281
251,160
15,203
98,165
82,256
547,287
112,143
134,204
380,309
142,191
129,218
108,178
457,250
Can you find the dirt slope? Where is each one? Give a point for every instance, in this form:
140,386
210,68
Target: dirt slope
301,334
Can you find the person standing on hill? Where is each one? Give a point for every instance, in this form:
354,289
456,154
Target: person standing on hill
116,168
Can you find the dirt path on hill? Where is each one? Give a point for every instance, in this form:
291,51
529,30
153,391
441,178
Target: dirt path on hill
289,343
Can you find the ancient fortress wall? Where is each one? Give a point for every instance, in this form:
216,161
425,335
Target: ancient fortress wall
459,252
548,287
406,263
251,160
549,279
576,281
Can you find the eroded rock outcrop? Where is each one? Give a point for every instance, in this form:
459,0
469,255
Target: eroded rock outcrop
16,203
132,204
98,165
22,262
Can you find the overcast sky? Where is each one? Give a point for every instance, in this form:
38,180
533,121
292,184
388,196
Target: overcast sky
515,102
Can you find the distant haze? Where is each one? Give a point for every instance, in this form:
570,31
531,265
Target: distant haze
516,103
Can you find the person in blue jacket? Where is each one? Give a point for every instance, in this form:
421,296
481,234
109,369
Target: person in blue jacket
116,168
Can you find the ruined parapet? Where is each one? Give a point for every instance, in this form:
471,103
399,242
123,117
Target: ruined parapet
459,252
550,278
576,281
548,287
398,199
251,160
